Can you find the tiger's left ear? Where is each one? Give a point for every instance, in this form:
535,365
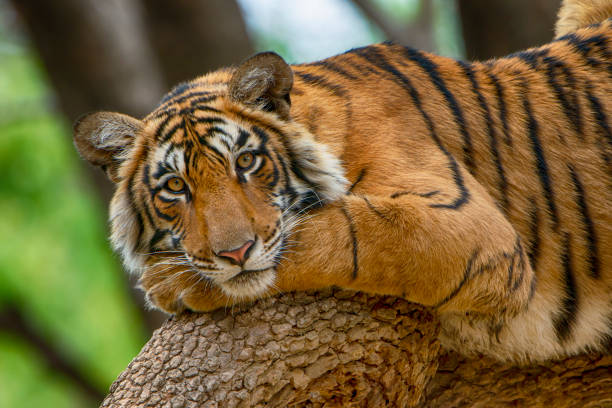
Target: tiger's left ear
102,138
264,82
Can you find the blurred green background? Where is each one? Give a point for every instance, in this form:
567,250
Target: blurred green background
69,322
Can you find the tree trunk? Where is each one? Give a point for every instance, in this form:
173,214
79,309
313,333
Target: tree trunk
192,38
338,349
494,28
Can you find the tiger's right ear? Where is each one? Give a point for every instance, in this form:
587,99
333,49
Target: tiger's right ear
102,137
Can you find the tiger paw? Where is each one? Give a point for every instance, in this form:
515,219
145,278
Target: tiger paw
174,296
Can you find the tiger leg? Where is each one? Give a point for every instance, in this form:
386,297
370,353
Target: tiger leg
468,259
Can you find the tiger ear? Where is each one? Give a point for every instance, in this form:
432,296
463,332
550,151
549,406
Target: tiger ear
263,81
102,137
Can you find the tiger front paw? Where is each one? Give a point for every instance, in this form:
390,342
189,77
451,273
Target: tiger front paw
175,294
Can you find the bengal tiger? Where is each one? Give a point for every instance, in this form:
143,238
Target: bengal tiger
480,189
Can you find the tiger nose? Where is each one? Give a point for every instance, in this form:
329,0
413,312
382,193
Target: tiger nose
238,256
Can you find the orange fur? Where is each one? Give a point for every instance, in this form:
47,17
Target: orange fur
481,189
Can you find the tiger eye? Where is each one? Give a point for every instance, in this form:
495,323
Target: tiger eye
175,184
245,160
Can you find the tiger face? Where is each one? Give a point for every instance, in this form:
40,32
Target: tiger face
211,184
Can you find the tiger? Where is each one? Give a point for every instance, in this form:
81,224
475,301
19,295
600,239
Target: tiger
481,190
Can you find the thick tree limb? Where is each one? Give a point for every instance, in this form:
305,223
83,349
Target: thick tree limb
329,349
582,381
338,349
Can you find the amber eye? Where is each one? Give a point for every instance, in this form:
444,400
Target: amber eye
175,185
245,160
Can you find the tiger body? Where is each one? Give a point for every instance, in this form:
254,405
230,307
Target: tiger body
480,189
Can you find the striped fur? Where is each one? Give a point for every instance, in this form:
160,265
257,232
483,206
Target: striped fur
481,189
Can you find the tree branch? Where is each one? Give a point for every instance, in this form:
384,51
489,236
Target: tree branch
11,320
338,348
418,34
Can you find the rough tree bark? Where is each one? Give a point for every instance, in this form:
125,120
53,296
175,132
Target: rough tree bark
338,349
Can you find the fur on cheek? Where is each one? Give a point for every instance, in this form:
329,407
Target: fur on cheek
322,168
126,231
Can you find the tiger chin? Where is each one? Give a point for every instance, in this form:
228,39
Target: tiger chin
479,189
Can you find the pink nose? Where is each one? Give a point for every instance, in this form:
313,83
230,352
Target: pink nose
238,256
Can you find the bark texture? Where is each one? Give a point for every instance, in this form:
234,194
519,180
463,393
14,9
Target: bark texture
338,349
582,381
304,350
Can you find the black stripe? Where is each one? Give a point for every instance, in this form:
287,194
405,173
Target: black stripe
309,200
378,60
376,210
275,173
600,114
517,265
293,160
564,321
591,236
503,182
172,131
167,200
554,68
135,211
161,127
534,230
157,237
431,69
330,66
217,155
288,189
540,161
162,215
263,136
243,136
197,103
358,180
588,47
152,192
215,129
424,195
353,234
466,276
322,82
208,97
177,90
210,120
162,169
501,103
207,109
605,142
570,101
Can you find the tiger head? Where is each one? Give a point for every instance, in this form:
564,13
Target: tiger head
212,182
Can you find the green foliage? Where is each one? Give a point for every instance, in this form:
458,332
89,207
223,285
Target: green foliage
25,382
55,263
